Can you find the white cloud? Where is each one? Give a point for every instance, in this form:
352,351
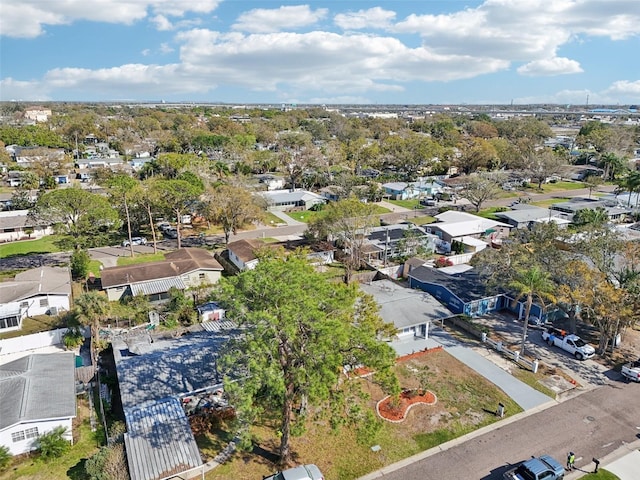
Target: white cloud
27,18
372,18
162,23
145,52
550,66
16,90
625,88
262,20
166,48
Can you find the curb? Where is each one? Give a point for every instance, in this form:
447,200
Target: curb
618,453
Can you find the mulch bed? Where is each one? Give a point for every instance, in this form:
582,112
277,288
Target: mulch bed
395,410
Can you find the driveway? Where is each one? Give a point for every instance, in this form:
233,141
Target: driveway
588,373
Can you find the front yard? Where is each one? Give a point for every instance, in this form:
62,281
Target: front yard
465,402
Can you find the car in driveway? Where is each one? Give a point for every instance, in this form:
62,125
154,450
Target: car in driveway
302,472
135,241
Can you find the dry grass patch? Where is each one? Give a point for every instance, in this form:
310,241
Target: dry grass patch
466,401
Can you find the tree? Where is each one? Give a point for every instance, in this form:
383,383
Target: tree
232,207
482,187
178,197
543,164
121,189
83,217
532,284
92,308
348,221
300,331
595,217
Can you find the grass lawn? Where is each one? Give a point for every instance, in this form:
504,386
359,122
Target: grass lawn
308,215
70,465
151,257
27,247
39,323
410,204
94,267
466,402
490,212
601,475
271,219
550,201
556,187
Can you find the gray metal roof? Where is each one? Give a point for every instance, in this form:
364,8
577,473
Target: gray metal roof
35,282
149,371
37,387
157,286
404,307
159,441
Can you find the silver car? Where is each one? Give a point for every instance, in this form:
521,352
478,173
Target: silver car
135,241
303,472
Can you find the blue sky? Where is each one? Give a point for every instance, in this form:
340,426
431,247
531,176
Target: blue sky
322,52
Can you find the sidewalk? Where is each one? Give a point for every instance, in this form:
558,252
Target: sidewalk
623,462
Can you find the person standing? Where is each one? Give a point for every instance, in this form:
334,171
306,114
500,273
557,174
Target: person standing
571,458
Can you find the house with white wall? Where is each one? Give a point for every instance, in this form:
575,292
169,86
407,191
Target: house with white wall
39,291
37,395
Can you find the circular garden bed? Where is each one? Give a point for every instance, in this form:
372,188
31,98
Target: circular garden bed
395,409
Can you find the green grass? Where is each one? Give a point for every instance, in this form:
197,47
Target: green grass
550,201
309,215
555,187
410,204
533,380
28,247
601,475
490,212
94,267
151,257
271,219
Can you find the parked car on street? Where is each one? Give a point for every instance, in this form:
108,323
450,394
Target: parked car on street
544,467
170,233
135,241
302,472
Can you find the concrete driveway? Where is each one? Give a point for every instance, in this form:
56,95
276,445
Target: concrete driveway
588,373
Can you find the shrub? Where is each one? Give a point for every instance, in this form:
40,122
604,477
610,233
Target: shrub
5,457
73,338
443,262
53,444
80,264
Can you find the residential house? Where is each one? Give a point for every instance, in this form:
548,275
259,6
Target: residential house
385,243
400,190
39,291
17,225
27,156
182,269
37,395
291,200
242,253
614,210
466,292
525,215
157,380
410,311
270,181
473,231
210,311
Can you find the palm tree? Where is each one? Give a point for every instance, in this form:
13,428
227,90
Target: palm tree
532,284
92,308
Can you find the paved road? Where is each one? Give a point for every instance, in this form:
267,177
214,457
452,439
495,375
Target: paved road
592,425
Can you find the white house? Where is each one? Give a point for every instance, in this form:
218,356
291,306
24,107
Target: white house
16,225
39,291
37,395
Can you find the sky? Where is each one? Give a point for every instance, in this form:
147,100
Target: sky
569,52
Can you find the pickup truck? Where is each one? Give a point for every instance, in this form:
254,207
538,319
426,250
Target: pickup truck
570,343
631,371
543,467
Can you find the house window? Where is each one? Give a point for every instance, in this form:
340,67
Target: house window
24,304
9,322
44,302
202,276
17,436
31,432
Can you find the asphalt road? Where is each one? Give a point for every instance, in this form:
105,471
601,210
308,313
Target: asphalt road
592,425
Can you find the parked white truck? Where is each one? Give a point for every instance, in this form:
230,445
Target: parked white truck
631,371
568,342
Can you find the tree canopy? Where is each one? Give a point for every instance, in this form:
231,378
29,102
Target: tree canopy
300,331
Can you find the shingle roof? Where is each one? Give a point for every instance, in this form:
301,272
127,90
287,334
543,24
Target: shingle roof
159,441
244,249
467,286
37,387
176,263
37,281
404,307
